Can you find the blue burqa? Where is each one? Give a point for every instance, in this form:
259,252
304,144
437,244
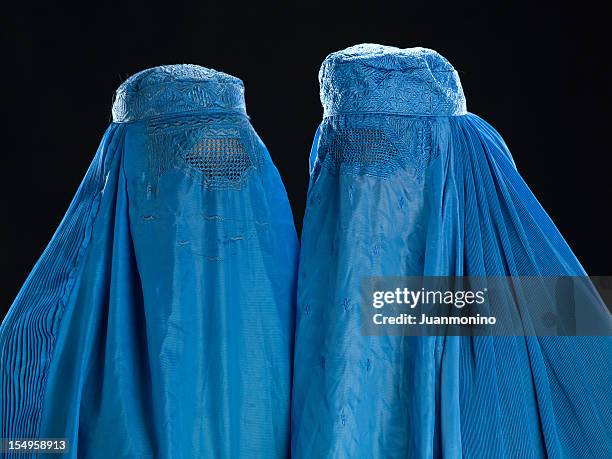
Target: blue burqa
405,182
158,323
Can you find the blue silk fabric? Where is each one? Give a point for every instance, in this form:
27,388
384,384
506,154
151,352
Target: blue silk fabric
405,182
158,323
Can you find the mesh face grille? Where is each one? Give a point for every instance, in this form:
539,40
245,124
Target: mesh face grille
219,158
361,147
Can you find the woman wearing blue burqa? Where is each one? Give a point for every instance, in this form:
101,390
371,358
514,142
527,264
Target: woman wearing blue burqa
405,182
159,320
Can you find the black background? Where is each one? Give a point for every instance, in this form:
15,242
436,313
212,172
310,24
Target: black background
539,74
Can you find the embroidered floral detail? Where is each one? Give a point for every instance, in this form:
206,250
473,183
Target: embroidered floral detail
177,89
372,78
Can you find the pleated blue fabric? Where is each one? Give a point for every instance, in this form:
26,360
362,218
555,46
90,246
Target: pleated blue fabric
159,321
405,182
